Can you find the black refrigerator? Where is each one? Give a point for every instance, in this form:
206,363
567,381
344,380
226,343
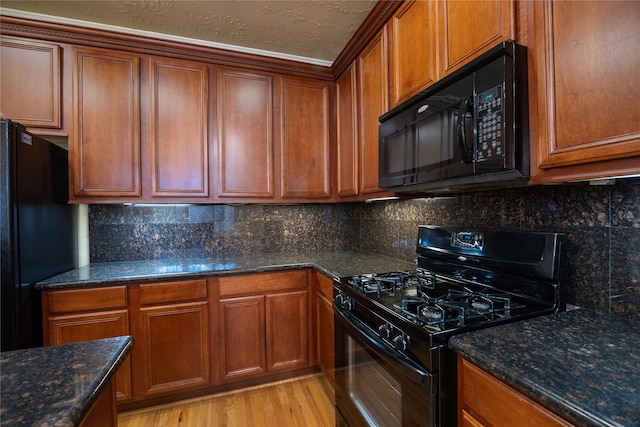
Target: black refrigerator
37,226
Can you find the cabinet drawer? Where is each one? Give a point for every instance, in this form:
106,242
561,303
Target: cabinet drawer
173,292
262,283
325,286
78,300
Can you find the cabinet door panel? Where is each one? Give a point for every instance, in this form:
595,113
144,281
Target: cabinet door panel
374,101
472,27
413,49
242,332
245,134
30,82
287,339
178,128
325,332
105,146
347,123
175,347
588,82
77,328
305,138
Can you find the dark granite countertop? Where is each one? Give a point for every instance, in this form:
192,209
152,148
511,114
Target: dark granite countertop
57,385
338,263
582,365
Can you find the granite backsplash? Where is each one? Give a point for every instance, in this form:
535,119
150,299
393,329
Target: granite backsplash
602,224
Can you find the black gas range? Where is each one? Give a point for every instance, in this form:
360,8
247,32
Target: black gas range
392,328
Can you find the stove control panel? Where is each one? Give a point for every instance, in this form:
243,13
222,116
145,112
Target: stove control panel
467,240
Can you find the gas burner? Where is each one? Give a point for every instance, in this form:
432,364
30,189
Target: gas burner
387,283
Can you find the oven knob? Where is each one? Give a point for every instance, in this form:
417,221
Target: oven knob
348,304
401,342
385,331
338,299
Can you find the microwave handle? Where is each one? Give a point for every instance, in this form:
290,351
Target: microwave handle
465,151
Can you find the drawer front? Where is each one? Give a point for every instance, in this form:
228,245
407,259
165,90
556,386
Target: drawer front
325,286
159,293
262,283
79,300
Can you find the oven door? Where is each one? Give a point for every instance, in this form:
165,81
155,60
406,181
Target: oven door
376,385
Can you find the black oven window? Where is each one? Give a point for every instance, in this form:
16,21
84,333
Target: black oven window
372,389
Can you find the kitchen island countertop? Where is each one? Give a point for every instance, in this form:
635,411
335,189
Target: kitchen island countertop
582,365
334,263
57,385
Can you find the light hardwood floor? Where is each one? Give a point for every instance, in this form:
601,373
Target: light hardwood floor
303,401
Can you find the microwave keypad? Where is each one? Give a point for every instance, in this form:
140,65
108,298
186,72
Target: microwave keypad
490,135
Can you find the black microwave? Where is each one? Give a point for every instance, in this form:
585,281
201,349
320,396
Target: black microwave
469,131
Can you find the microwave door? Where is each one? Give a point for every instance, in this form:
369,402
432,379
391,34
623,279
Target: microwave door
396,154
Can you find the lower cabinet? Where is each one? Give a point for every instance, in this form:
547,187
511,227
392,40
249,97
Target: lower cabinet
485,401
263,324
88,314
324,327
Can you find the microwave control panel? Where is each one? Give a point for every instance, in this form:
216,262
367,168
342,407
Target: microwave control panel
490,125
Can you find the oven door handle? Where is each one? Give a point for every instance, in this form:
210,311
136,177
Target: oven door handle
406,366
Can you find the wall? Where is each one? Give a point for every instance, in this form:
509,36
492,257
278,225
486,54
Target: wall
602,224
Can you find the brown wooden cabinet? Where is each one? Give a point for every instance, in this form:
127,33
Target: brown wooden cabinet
587,88
263,324
325,327
87,314
373,75
104,146
30,82
485,401
347,132
178,128
245,134
174,336
305,138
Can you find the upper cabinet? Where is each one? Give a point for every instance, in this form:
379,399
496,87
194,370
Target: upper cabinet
104,146
30,82
178,128
586,124
305,138
347,132
245,134
373,101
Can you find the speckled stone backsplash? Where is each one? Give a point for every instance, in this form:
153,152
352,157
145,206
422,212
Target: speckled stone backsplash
602,224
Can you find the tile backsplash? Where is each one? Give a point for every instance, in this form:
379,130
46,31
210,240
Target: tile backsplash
602,224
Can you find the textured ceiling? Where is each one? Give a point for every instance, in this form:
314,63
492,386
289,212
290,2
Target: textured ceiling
314,29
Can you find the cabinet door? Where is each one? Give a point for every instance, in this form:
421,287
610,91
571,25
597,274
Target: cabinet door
245,134
242,335
347,135
175,347
412,49
30,82
287,334
325,328
305,138
468,28
588,85
373,102
178,126
84,327
104,148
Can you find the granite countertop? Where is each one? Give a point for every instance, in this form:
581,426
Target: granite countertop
581,365
57,385
335,263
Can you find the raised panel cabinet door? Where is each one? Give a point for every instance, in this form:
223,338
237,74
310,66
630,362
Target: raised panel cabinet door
242,334
412,49
245,134
325,338
287,334
175,347
373,93
84,327
305,144
588,83
347,135
469,28
104,148
178,127
30,82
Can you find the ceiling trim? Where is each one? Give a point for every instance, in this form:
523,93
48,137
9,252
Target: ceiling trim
160,36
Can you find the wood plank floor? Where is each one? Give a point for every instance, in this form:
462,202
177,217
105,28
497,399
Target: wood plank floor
303,401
